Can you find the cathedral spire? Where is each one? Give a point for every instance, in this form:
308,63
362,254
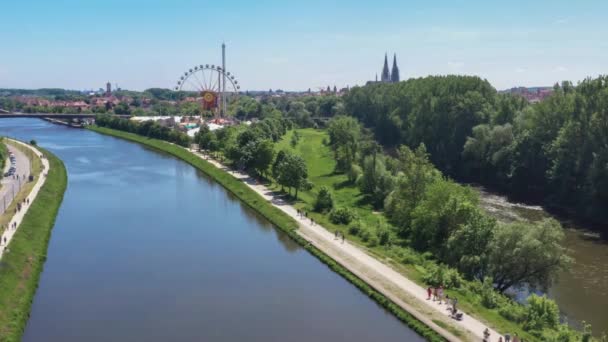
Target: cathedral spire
395,70
386,77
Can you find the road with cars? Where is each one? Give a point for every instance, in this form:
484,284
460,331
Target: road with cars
10,182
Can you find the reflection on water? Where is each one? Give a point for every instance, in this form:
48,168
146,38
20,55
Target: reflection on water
146,248
582,290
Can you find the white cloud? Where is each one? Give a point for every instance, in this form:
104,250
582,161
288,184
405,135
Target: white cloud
561,68
520,70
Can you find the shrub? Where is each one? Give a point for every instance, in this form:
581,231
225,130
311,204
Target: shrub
356,228
442,275
324,200
488,295
409,257
512,311
341,216
33,142
373,241
383,235
365,234
541,312
354,173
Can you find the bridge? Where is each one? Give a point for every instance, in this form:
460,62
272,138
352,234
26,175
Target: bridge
5,114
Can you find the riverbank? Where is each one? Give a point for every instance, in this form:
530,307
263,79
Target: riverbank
24,260
286,224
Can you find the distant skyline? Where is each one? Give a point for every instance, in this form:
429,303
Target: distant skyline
298,45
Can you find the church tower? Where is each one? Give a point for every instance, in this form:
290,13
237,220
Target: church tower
395,70
386,76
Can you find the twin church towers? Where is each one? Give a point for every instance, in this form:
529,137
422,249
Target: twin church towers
393,75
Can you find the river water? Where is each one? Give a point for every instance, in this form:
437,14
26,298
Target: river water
582,290
146,248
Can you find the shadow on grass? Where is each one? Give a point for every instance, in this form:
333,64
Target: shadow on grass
343,184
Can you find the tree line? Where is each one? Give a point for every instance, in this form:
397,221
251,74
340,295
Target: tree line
252,149
149,129
555,151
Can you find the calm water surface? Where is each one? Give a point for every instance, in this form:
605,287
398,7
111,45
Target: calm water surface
145,248
582,290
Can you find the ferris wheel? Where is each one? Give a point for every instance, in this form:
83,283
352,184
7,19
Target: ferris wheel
215,86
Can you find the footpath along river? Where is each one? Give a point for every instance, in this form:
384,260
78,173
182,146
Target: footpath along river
146,248
582,290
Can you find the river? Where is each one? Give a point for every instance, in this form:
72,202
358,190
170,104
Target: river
146,248
582,290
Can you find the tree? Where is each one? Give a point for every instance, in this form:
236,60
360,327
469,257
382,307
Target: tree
263,156
292,172
467,246
324,201
529,253
344,135
376,181
122,108
415,174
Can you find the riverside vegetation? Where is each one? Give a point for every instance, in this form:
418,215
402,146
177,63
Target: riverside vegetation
270,212
21,266
432,228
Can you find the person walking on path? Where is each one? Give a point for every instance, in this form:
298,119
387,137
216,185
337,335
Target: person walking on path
440,293
429,292
434,294
486,335
342,238
336,238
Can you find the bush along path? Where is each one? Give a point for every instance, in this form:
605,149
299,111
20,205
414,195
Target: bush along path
23,260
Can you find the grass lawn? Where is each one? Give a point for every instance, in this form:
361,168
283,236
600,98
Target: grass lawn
321,165
320,162
20,267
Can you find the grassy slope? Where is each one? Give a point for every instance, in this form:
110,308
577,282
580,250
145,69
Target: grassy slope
321,164
20,268
277,217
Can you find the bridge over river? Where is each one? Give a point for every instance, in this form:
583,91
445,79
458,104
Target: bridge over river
6,114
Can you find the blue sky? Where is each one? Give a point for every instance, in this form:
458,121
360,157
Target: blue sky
298,45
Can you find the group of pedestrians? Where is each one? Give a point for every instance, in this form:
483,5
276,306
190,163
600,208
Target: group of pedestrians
486,337
13,225
303,214
437,294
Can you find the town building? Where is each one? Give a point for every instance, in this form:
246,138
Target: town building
388,76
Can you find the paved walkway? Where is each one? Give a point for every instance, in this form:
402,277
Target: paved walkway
18,217
394,285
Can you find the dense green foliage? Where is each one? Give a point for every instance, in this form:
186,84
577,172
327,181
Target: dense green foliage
555,151
21,266
279,219
147,128
435,229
